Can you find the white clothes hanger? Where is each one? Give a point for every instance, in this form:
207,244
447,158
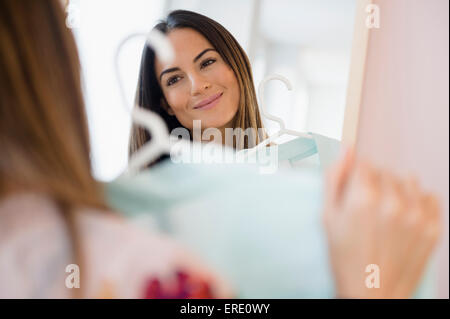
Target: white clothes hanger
283,130
160,142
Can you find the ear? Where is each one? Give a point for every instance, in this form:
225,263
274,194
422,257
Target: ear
166,107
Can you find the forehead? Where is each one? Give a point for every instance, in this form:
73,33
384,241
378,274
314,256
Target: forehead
187,44
186,39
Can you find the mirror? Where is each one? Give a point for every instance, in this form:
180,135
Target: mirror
307,41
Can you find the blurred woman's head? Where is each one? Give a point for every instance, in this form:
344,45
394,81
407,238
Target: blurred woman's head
210,79
44,139
43,130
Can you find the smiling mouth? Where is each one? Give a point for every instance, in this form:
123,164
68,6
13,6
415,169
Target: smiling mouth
209,102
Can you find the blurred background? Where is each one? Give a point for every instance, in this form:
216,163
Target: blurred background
307,41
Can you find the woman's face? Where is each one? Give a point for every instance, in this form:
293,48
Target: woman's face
198,84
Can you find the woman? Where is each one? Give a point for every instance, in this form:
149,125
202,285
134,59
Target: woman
53,214
52,211
210,80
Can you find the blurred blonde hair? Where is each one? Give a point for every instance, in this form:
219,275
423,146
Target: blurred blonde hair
43,129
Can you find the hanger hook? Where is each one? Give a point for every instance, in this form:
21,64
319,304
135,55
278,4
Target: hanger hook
155,39
261,96
148,119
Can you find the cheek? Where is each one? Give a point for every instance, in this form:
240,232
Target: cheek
234,88
228,80
176,99
226,77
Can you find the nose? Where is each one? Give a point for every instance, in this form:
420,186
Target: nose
199,84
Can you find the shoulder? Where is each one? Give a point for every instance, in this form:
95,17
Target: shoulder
127,261
33,247
120,259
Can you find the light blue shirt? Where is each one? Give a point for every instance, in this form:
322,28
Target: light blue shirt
318,151
262,232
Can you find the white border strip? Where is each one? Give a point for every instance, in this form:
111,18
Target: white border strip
356,75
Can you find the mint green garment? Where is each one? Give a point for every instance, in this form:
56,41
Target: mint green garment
319,151
261,232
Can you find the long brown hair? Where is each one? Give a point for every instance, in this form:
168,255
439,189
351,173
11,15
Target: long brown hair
44,138
149,94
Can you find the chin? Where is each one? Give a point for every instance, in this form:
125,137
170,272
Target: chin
212,120
216,123
212,124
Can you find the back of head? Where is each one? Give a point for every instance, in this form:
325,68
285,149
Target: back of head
43,128
44,139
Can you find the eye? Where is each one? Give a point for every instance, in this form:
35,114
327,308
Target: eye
173,80
207,62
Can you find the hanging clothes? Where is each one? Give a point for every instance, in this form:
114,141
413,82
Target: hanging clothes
261,232
320,151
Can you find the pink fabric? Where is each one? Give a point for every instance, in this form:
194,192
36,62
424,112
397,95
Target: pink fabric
404,120
121,259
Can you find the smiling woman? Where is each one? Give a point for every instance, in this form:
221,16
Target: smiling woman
209,80
201,86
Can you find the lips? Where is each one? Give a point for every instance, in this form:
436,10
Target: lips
209,102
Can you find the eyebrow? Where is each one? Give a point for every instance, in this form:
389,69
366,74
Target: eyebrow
195,60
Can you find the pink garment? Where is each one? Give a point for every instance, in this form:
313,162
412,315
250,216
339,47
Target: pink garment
121,260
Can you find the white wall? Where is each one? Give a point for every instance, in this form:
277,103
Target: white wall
102,25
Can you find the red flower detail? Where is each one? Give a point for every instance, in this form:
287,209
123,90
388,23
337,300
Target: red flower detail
184,286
